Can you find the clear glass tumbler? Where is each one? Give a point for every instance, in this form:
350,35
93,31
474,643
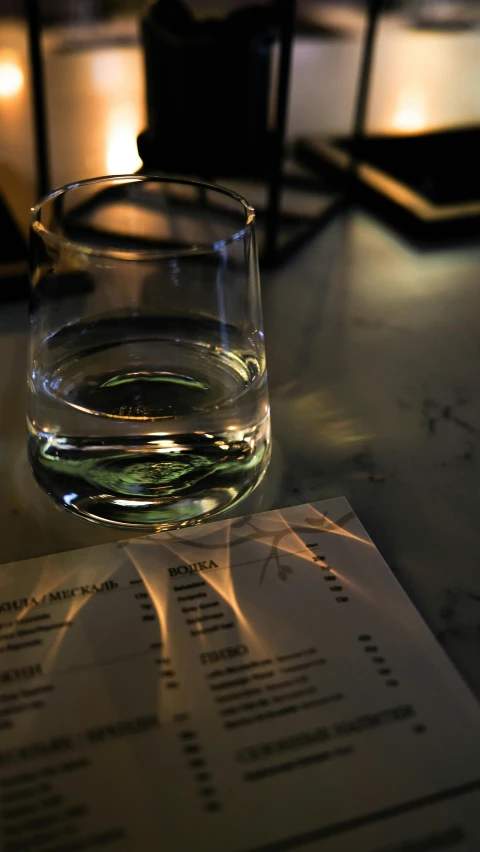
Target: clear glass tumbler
147,388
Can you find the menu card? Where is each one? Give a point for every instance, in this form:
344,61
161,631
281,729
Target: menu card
251,685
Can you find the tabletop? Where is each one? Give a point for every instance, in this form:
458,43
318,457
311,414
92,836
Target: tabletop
372,345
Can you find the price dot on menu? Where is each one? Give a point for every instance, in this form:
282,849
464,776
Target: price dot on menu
207,792
364,637
203,776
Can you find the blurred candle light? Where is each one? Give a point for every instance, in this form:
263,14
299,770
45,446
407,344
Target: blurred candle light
121,148
410,114
11,77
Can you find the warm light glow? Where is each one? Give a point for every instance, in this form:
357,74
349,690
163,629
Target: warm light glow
408,118
410,114
122,154
109,71
11,78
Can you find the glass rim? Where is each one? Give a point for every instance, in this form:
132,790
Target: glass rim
142,254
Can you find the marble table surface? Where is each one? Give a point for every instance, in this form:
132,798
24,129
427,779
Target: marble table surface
373,353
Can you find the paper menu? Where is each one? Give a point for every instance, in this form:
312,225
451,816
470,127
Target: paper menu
258,684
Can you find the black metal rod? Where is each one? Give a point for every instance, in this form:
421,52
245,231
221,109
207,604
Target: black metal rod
286,17
373,11
38,98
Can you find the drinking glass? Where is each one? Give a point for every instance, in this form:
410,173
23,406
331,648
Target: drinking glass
147,387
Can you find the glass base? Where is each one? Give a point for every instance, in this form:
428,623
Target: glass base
143,513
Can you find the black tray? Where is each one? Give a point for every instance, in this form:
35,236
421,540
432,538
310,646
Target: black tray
427,184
